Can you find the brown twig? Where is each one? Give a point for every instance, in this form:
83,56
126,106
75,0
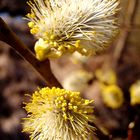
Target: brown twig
43,68
101,135
128,21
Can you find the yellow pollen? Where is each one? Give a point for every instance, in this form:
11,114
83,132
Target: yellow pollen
52,37
77,44
64,101
31,24
31,15
34,30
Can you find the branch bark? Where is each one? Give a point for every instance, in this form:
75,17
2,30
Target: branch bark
125,31
101,135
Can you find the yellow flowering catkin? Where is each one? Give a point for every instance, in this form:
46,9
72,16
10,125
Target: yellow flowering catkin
77,80
135,93
58,114
66,26
112,96
106,76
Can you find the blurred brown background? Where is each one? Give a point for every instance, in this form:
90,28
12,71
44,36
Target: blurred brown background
18,78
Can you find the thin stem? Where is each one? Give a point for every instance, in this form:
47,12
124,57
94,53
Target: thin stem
128,21
43,68
101,135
